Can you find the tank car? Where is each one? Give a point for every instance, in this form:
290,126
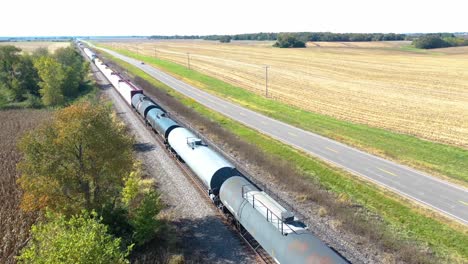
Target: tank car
145,106
280,233
208,166
162,124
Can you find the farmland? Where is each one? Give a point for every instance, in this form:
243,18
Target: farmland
383,85
31,46
425,229
14,223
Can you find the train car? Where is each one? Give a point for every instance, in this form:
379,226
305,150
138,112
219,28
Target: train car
136,100
89,53
110,75
285,238
143,104
162,124
127,90
210,167
277,230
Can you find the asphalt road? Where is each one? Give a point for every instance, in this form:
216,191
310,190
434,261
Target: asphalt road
437,194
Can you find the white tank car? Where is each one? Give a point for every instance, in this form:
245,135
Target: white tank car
209,166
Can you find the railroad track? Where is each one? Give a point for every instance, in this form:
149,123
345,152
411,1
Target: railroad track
234,225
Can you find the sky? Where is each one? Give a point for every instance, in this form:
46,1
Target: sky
204,17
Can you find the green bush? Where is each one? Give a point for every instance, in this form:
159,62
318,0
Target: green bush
33,101
80,239
143,220
434,41
430,42
288,41
225,39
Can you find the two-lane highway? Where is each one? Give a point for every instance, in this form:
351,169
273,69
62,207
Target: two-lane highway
437,194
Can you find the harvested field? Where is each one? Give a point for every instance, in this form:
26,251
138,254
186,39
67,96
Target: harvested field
378,84
370,44
31,46
14,224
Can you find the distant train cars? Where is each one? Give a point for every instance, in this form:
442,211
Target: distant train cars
277,230
124,87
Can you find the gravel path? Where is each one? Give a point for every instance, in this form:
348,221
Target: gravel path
204,236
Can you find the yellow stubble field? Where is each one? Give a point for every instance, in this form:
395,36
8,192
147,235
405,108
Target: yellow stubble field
30,46
375,83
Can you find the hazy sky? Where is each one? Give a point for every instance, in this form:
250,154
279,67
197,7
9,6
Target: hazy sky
147,17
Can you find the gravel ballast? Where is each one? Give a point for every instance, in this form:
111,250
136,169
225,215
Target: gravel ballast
199,227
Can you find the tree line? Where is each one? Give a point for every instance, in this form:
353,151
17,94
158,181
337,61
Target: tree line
301,36
79,170
175,37
40,78
440,40
315,36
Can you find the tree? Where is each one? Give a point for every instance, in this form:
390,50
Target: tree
430,42
76,162
28,77
52,80
74,68
225,39
288,41
80,239
9,83
18,77
40,52
143,204
143,218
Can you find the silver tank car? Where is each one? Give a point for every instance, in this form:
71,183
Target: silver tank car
137,99
145,105
285,238
208,165
158,120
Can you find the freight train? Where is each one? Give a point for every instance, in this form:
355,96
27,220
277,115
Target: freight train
277,230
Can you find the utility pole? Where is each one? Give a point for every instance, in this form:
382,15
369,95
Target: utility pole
155,55
266,81
188,60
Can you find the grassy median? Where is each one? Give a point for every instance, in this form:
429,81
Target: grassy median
403,220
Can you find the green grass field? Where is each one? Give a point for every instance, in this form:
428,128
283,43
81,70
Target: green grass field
445,161
448,241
